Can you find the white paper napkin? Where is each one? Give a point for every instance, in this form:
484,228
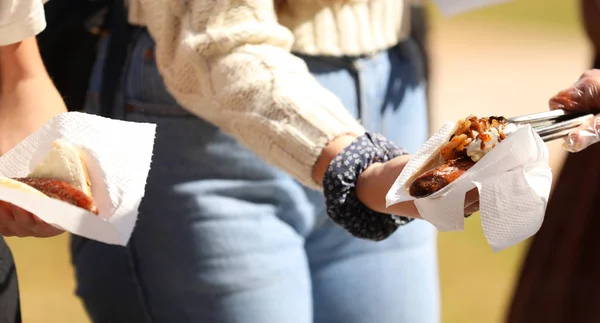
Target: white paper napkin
117,155
513,179
455,7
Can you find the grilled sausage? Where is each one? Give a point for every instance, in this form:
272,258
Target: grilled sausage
62,191
439,177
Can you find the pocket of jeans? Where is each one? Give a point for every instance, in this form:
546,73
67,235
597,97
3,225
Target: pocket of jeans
144,88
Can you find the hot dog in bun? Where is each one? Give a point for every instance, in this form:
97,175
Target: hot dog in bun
62,175
471,140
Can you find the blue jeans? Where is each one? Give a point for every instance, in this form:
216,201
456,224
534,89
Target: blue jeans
223,237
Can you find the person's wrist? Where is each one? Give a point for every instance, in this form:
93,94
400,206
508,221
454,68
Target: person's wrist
340,184
333,148
366,184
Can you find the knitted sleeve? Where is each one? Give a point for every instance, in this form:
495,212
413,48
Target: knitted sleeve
229,62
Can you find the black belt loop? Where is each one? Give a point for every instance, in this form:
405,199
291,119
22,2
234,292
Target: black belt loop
354,70
115,57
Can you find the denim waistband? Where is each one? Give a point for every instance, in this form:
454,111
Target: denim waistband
139,37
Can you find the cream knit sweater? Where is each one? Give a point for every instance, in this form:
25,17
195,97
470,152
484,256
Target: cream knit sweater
229,62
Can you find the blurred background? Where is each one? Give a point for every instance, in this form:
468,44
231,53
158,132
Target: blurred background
505,60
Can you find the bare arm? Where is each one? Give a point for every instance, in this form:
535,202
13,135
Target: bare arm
28,98
19,62
20,22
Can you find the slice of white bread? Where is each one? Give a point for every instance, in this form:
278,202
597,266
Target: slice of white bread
64,163
11,183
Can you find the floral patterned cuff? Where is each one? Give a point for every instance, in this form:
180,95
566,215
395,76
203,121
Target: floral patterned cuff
339,183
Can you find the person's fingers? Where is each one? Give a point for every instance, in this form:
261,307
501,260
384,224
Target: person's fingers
472,208
45,230
471,202
31,226
472,196
566,99
593,74
13,222
5,218
13,230
23,219
16,222
6,214
408,209
584,95
22,225
6,231
583,136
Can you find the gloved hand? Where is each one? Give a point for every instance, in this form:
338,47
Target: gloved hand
583,96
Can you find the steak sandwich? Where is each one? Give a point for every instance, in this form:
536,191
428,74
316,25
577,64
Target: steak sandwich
62,175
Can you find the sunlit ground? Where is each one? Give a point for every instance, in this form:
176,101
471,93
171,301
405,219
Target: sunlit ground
506,60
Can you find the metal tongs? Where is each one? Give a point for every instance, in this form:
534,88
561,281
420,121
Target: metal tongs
552,125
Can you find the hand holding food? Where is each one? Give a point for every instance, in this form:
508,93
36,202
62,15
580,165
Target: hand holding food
503,159
374,183
62,175
16,222
583,96
471,140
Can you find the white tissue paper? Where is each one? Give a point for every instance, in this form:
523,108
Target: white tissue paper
513,179
117,155
455,7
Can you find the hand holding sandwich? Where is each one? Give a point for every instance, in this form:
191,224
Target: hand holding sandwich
28,99
16,222
62,175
